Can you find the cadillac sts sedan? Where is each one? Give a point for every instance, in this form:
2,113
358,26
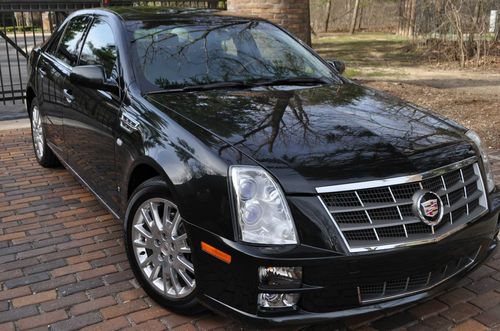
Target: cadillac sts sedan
250,175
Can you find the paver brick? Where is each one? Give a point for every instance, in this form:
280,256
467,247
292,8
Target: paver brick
470,325
34,278
41,320
109,325
427,309
109,289
131,294
124,308
151,325
63,302
148,314
14,293
53,283
490,318
92,305
76,323
80,286
39,267
18,313
34,298
96,272
71,269
461,312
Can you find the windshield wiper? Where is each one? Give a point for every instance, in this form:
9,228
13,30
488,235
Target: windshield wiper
293,81
206,87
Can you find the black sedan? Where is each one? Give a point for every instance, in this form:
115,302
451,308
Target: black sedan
251,177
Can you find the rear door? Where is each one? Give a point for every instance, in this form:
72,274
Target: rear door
54,69
89,126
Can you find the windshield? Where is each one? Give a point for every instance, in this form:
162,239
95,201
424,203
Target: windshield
172,57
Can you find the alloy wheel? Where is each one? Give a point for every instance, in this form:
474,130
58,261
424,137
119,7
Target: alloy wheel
161,248
37,131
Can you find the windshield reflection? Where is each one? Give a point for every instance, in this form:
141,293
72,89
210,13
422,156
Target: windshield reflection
173,57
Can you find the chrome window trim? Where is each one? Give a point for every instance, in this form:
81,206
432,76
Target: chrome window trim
397,180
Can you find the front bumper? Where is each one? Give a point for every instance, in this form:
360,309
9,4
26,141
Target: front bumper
332,281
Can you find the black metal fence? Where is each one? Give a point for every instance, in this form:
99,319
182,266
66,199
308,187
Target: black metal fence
26,24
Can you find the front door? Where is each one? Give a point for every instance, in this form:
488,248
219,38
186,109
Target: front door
89,127
53,70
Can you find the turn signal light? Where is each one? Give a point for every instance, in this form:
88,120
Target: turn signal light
217,253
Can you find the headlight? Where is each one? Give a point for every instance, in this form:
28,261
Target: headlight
490,181
261,207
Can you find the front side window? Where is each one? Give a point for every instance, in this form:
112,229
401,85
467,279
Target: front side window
187,55
69,46
100,48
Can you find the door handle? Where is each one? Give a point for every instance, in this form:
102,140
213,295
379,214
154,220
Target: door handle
68,96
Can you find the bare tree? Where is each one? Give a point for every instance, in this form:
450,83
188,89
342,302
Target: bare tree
328,13
355,15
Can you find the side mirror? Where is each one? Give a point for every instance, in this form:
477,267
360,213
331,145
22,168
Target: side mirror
92,76
337,65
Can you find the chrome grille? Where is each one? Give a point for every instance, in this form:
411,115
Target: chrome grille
406,285
378,214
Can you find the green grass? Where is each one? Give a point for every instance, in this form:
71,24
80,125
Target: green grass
367,49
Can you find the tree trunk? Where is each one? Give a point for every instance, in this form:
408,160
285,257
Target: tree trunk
360,17
327,21
413,18
401,18
355,14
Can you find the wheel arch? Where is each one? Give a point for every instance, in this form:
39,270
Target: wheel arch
143,170
30,95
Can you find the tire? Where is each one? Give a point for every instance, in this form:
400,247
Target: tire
44,155
160,251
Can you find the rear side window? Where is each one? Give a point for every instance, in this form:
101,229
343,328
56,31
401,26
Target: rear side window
100,48
69,46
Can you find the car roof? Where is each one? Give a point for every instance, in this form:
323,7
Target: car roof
175,15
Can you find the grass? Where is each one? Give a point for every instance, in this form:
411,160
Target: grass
367,49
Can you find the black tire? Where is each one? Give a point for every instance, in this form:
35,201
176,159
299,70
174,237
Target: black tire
154,188
44,155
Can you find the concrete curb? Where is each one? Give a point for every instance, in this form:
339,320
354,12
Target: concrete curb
15,124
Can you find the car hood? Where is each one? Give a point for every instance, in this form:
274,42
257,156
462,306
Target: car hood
309,137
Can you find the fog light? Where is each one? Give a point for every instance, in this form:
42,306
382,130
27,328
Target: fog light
280,277
278,300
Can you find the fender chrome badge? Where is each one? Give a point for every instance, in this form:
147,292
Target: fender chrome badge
428,206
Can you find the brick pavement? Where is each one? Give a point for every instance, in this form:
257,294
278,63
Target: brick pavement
63,265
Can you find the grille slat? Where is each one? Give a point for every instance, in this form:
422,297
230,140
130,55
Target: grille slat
404,285
382,216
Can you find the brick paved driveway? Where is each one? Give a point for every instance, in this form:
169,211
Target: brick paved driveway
63,265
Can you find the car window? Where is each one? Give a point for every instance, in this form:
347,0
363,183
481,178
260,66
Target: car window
69,46
100,48
53,43
176,56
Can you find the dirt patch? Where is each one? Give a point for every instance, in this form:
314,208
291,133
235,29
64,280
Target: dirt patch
475,111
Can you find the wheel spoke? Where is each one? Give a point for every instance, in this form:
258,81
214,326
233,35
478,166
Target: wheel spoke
143,231
147,218
165,277
174,281
146,262
185,250
175,223
186,264
189,282
156,216
154,274
143,244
